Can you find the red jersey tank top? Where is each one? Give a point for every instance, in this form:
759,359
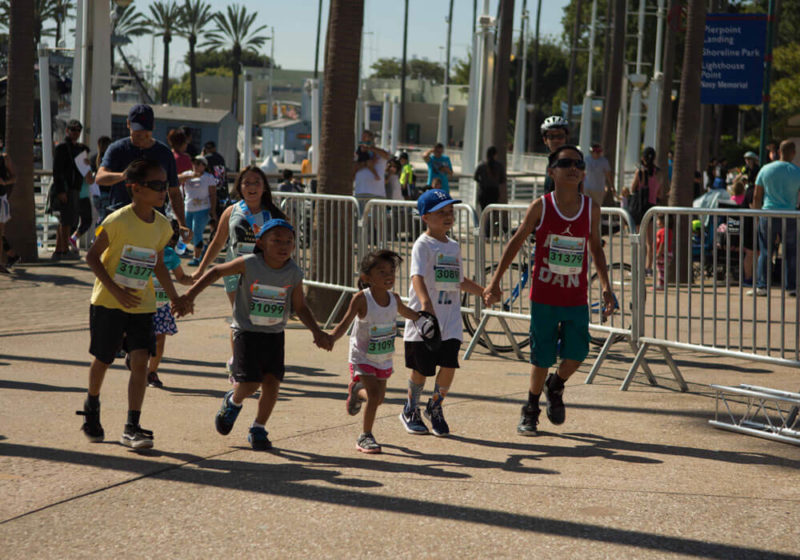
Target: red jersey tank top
560,264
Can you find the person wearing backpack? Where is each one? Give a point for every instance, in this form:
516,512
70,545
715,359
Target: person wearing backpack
645,190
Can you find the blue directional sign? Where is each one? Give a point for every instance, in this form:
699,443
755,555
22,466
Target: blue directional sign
733,59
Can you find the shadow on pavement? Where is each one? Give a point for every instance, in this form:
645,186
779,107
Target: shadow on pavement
38,387
288,482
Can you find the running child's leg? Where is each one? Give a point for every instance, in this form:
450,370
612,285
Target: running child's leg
373,392
155,361
137,382
97,372
269,396
433,410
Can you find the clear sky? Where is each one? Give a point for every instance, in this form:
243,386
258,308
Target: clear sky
295,30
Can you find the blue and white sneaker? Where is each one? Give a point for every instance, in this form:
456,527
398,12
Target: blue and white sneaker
258,439
227,414
412,422
435,414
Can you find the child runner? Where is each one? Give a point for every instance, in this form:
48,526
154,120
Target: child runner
164,321
238,225
269,290
374,309
128,250
437,279
200,202
563,222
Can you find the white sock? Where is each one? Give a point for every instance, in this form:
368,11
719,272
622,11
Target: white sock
257,425
234,403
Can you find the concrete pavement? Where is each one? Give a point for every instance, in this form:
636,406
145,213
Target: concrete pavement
635,474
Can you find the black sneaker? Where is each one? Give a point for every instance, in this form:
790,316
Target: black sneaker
528,421
154,381
353,403
435,414
137,437
412,422
227,415
366,444
556,411
11,261
91,423
258,439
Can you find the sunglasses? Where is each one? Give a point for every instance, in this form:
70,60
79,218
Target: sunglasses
156,185
555,136
566,163
75,129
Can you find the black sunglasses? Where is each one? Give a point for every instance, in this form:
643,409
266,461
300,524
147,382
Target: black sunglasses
565,163
156,185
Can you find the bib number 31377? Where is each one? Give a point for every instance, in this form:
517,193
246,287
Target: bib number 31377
267,304
135,267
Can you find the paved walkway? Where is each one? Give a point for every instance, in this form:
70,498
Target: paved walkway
630,474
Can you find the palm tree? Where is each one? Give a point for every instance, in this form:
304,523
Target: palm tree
165,18
196,15
127,22
61,13
502,74
235,32
43,10
339,94
21,230
613,89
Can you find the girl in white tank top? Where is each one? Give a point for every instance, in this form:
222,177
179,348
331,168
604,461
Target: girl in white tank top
373,312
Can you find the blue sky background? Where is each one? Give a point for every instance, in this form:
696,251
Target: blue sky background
295,30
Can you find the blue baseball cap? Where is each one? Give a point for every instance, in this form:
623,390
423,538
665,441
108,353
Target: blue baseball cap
433,200
272,224
141,117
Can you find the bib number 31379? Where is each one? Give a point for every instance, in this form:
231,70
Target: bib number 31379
135,267
566,254
267,304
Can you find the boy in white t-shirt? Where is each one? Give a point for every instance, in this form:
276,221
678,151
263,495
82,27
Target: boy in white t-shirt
437,279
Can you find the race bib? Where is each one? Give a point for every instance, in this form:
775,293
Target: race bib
447,273
135,267
243,249
566,254
381,340
161,294
267,304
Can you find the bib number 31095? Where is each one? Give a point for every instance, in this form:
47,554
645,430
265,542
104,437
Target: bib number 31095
135,267
267,304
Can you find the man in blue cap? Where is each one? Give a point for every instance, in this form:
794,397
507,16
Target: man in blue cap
140,145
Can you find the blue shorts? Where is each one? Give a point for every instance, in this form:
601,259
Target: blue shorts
549,323
197,222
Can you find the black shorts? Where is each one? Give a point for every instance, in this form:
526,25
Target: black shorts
110,328
256,354
420,359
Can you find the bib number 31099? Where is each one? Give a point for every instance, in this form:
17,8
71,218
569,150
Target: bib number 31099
267,304
135,267
381,340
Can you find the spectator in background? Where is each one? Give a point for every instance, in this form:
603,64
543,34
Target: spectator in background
750,170
777,187
491,178
772,152
177,141
711,173
439,166
599,178
190,147
8,176
645,188
407,179
555,131
394,190
67,182
200,201
370,170
290,184
85,220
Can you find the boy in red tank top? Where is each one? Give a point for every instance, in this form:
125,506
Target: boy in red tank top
564,222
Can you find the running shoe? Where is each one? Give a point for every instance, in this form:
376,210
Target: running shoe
412,422
258,439
353,401
73,241
528,420
227,414
91,423
194,262
554,391
154,381
137,437
366,444
435,414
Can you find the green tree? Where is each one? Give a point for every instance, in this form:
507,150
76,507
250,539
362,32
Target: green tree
784,93
180,93
196,16
215,58
236,31
165,19
461,69
388,68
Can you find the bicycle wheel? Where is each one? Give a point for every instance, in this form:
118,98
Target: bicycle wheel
621,277
520,328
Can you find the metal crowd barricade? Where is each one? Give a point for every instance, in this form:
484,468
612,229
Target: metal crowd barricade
327,241
505,326
702,300
395,225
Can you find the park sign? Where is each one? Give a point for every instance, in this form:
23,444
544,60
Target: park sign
733,59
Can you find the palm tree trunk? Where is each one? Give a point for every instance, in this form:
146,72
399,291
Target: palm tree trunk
165,71
21,229
613,89
501,94
340,91
533,129
193,70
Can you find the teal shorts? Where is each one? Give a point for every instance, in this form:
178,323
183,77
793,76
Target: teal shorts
231,283
549,323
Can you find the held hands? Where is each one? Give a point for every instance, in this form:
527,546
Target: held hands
610,304
492,294
323,340
182,306
126,296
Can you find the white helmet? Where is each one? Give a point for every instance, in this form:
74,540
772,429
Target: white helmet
554,122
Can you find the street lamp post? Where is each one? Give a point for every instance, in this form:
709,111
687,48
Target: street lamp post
522,117
271,71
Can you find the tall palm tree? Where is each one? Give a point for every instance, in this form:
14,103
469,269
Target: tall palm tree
196,16
236,32
21,230
502,75
43,10
339,94
127,22
61,13
613,89
165,18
